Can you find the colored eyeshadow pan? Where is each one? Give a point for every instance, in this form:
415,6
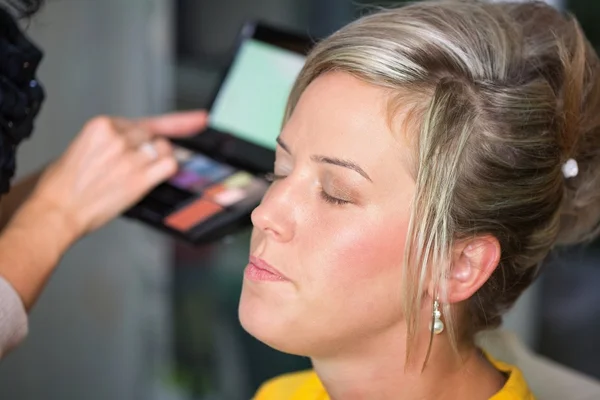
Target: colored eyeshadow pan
214,190
238,180
219,172
185,179
199,164
192,215
232,190
211,169
199,172
229,197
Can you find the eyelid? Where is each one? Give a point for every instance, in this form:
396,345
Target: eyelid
339,188
332,189
333,200
340,192
272,177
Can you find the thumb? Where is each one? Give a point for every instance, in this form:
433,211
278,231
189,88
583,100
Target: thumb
176,124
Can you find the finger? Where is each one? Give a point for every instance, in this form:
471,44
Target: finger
163,147
134,134
149,152
156,149
137,136
176,124
160,171
144,172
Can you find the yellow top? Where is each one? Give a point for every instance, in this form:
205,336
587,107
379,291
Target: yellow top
307,386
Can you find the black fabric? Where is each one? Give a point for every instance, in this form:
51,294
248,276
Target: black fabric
21,95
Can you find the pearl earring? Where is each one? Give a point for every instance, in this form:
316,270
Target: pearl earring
437,326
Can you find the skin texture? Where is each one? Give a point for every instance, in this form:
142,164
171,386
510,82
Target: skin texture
334,224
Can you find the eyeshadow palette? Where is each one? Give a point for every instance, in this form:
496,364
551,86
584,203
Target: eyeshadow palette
220,177
202,197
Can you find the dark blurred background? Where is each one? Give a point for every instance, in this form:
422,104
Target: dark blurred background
131,314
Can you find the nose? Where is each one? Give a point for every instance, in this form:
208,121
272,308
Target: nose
275,214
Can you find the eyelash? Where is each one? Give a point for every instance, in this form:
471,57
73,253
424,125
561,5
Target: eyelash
272,177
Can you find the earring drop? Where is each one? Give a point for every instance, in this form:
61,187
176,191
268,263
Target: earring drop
437,326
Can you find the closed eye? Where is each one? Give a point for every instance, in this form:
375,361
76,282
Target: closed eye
333,200
272,177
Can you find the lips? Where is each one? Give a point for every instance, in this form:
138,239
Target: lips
259,270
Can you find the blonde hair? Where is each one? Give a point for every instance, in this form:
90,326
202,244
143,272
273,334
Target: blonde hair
504,94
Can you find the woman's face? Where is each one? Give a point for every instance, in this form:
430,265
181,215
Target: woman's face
333,225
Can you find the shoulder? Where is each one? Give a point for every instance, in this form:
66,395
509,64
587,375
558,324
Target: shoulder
285,386
516,387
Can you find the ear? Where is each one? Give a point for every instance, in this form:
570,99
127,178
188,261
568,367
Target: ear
473,261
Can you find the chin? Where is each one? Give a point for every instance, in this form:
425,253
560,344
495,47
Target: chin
268,324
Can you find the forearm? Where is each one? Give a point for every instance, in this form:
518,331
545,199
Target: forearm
31,246
17,196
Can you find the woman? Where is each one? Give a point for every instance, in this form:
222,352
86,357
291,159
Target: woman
431,158
110,165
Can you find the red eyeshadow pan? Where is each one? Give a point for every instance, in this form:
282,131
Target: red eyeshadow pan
192,214
214,190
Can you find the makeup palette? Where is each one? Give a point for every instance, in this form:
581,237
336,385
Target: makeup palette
220,176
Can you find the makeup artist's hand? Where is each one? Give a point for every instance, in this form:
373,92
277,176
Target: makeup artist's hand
110,166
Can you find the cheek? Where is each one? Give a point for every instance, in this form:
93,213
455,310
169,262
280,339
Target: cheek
361,249
357,287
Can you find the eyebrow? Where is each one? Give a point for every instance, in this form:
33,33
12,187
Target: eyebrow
330,160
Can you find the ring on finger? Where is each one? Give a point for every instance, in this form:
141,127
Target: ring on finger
149,149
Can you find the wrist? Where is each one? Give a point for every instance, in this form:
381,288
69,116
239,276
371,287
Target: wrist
43,214
32,245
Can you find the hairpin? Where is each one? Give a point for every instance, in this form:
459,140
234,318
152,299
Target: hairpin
570,169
